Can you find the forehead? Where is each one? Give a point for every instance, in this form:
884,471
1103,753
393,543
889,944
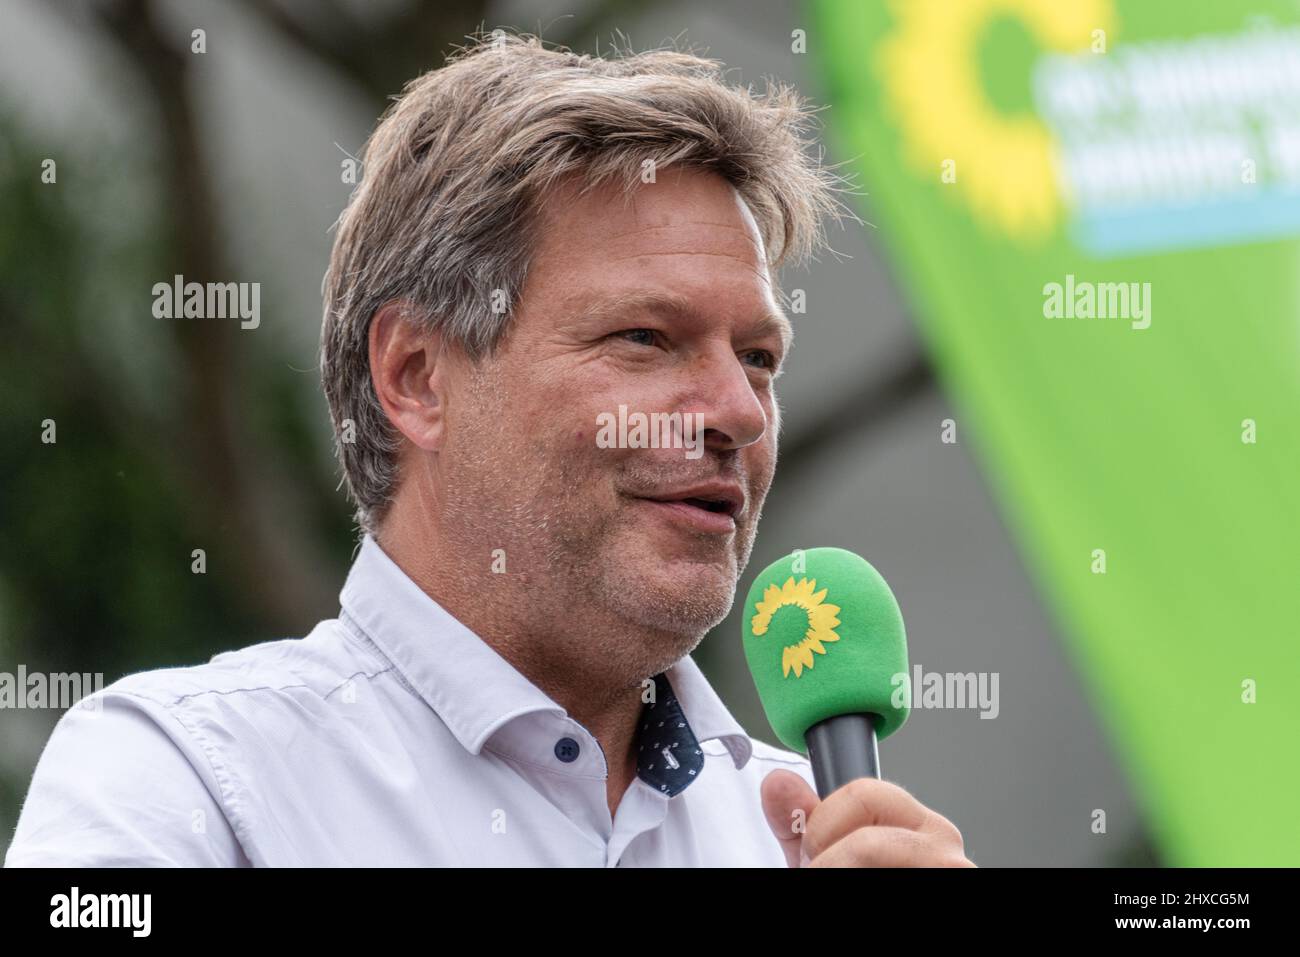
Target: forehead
658,217
688,238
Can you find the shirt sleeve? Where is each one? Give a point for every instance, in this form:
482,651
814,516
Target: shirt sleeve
113,789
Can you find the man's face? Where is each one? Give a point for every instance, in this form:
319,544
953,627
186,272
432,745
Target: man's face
661,303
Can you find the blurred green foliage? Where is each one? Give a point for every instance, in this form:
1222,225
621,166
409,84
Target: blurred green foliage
96,528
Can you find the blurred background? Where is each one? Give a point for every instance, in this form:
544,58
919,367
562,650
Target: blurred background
936,421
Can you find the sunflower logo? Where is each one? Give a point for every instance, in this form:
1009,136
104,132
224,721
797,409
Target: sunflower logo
930,72
821,620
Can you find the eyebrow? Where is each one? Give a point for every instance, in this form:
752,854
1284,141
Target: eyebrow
774,320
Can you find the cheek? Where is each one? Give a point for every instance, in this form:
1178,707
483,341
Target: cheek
771,404
583,437
771,440
762,463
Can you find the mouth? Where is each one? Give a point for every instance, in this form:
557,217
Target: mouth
709,508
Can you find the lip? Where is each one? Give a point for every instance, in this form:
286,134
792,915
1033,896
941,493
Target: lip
698,519
674,504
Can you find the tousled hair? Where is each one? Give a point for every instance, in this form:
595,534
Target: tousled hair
457,173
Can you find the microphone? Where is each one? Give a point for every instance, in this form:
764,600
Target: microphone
824,639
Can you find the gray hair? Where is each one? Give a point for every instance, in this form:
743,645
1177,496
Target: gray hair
455,175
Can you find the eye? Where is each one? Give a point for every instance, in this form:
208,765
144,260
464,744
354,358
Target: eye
764,359
641,337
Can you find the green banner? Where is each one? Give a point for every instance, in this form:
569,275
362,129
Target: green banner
1095,208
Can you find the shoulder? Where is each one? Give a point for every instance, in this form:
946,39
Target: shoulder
767,753
236,715
151,769
119,786
317,666
765,758
768,758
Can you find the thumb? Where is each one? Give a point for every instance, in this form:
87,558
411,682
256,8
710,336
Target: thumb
787,803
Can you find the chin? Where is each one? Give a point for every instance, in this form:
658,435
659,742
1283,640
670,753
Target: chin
680,598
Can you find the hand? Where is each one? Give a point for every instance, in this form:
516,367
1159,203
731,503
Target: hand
866,823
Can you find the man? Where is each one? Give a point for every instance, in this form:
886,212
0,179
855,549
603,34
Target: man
540,239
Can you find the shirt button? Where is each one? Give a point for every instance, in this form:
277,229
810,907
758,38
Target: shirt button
566,749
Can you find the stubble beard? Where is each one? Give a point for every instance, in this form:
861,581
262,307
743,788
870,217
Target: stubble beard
570,581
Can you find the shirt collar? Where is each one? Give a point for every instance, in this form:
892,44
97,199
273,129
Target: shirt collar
473,689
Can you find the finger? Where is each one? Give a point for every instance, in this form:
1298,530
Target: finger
889,847
788,802
939,825
865,802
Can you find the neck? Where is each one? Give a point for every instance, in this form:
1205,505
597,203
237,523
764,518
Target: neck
590,688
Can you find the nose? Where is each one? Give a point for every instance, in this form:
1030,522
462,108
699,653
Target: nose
734,416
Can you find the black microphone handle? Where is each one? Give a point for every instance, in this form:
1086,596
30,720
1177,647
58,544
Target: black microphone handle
842,748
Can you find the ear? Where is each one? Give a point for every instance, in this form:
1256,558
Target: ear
409,369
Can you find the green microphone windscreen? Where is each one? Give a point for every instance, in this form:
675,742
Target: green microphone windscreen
824,636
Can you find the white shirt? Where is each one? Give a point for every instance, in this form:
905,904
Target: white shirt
390,736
